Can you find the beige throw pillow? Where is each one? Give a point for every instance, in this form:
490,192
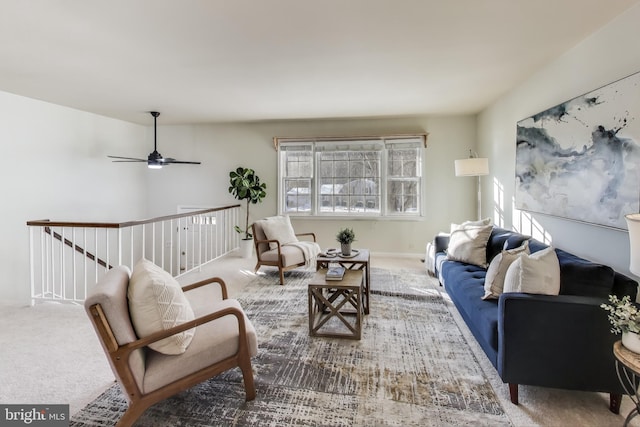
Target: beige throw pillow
494,280
156,303
538,273
468,243
278,228
485,221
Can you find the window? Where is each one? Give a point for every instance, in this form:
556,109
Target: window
350,177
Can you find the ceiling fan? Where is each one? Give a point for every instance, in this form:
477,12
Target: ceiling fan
155,159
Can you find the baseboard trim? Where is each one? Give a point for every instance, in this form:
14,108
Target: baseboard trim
399,255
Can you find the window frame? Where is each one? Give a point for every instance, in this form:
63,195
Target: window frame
318,145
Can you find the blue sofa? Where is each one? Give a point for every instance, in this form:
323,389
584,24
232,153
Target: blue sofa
561,341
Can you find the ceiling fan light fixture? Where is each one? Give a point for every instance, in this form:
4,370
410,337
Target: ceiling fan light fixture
154,166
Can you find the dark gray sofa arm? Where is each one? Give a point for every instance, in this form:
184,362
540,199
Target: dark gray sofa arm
559,341
441,242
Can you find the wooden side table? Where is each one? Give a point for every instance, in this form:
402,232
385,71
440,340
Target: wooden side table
628,370
359,262
335,300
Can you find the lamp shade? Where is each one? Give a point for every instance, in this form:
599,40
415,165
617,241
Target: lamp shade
472,167
633,222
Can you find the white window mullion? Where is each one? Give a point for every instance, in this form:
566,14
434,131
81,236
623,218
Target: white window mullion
383,182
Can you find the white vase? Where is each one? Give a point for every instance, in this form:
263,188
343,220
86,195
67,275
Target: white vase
631,341
246,248
346,248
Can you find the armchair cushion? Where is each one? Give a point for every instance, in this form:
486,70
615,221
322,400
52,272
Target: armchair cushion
278,228
215,341
292,255
156,303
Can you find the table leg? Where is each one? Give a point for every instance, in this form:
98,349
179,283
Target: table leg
630,384
367,288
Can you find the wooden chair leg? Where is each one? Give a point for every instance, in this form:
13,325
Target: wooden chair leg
614,402
281,275
133,412
513,393
247,377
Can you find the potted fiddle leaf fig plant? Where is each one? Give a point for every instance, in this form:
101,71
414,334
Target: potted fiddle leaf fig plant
345,237
246,185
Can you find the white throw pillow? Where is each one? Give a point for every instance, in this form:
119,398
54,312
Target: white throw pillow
278,228
156,303
494,280
538,273
468,243
485,221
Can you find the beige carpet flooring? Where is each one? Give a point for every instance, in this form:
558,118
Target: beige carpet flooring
50,354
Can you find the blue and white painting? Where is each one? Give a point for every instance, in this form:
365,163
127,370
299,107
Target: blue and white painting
581,159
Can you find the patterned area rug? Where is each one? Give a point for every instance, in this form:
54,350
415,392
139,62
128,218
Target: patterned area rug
412,367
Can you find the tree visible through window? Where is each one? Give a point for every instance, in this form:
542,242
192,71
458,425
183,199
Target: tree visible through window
354,177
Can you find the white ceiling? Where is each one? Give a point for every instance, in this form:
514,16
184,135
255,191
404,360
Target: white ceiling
244,60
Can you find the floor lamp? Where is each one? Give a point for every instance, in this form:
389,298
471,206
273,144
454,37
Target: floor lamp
633,222
473,166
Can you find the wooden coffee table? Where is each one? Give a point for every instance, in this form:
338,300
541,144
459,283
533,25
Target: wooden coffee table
360,261
336,300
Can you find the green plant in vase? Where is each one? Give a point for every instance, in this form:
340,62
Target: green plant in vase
624,316
345,237
246,185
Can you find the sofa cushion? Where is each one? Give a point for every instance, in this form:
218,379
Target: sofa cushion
536,245
494,280
538,273
156,303
584,278
503,239
468,243
463,283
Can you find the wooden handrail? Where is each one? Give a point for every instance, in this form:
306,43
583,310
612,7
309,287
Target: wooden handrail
78,249
49,223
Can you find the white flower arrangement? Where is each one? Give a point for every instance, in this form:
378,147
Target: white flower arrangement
623,315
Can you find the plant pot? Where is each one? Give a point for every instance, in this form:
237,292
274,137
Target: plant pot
346,248
631,341
246,248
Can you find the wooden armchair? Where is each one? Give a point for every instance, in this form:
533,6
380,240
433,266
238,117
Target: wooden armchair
224,338
274,253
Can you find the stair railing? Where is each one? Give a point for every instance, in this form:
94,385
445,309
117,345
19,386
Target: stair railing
67,258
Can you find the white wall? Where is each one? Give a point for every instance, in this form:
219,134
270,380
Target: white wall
223,147
54,166
606,56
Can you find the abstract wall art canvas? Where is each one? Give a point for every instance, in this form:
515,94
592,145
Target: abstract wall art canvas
580,160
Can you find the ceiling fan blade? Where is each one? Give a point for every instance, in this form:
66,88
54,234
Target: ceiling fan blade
131,159
170,161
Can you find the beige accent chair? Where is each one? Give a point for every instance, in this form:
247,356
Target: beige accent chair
284,257
224,338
